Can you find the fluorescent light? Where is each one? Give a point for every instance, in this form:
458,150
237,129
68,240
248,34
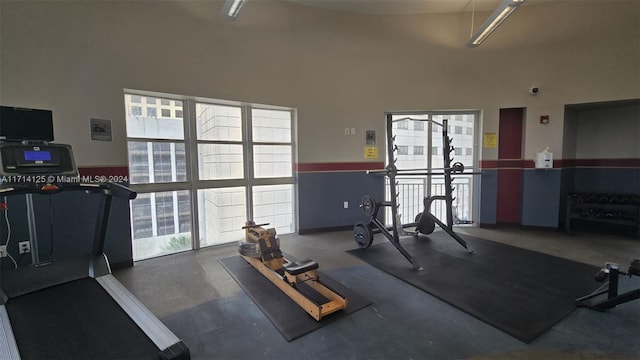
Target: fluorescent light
500,15
231,8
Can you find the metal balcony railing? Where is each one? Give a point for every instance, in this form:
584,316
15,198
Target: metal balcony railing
411,192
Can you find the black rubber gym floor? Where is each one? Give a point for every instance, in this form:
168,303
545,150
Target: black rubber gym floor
290,320
521,292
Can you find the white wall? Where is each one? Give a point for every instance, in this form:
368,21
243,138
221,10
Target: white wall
338,69
607,132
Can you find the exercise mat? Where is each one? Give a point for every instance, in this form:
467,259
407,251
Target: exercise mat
290,319
521,292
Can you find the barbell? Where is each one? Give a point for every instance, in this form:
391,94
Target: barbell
392,170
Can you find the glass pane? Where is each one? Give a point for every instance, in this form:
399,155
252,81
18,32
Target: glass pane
161,223
274,205
271,125
220,161
272,161
153,119
141,213
218,122
437,157
156,162
223,212
411,139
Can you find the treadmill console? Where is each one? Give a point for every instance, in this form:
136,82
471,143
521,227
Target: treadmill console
31,159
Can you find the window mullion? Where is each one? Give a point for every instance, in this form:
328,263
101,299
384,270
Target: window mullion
191,157
247,121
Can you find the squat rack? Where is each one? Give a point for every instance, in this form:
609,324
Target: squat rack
425,221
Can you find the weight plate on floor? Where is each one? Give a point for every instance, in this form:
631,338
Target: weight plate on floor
363,235
426,225
368,205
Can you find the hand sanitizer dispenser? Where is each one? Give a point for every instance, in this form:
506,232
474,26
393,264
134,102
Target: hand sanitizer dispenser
544,159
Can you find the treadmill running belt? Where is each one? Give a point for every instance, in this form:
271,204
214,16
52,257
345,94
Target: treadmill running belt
76,320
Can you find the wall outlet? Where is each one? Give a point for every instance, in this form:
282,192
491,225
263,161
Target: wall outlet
3,251
24,247
346,204
346,131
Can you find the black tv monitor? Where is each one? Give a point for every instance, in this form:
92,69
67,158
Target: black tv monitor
18,124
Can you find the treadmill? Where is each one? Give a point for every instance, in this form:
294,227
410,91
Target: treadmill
71,308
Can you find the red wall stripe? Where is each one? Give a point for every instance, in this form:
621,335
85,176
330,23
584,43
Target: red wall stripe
104,171
600,163
562,163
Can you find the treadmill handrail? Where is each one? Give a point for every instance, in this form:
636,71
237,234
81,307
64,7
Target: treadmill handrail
116,189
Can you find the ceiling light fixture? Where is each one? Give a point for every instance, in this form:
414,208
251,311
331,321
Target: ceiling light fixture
500,15
231,8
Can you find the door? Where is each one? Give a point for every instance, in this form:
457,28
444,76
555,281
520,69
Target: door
509,207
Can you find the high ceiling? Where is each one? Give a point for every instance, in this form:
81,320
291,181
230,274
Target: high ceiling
389,7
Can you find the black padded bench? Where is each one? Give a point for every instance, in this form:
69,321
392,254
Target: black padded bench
300,266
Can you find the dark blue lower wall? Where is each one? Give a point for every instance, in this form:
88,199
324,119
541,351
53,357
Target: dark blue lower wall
321,197
614,180
540,197
544,192
488,197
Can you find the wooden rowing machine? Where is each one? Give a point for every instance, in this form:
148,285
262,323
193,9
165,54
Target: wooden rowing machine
262,251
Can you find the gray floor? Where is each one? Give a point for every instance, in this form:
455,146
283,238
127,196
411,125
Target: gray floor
196,298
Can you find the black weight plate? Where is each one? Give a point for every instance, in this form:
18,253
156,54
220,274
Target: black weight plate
457,168
426,225
368,205
363,235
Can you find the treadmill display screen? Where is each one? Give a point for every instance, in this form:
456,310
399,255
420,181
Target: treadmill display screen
37,156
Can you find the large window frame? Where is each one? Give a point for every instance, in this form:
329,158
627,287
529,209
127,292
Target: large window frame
193,184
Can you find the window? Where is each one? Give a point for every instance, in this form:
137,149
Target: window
435,150
458,129
175,212
403,150
403,124
418,125
136,111
468,151
458,151
152,112
418,150
469,131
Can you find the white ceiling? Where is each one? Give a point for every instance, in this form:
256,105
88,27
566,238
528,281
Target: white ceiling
391,7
